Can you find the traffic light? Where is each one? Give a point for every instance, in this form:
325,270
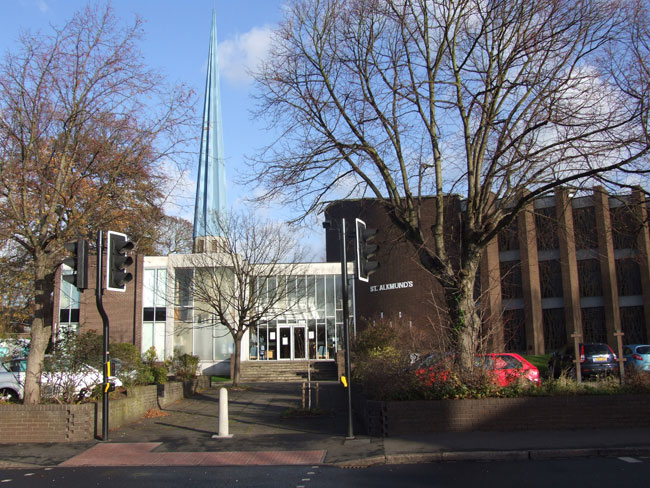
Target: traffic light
366,250
117,261
78,262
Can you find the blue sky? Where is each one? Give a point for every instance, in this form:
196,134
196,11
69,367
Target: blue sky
177,34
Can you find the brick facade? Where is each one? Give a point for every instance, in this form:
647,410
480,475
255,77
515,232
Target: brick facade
567,266
124,309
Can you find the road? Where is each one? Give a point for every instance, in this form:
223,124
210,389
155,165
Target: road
530,474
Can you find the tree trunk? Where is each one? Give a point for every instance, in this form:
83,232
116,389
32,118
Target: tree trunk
41,330
237,366
465,317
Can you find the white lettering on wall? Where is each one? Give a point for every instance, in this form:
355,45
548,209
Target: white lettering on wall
391,286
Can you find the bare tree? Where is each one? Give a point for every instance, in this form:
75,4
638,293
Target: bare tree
173,236
84,127
245,282
500,102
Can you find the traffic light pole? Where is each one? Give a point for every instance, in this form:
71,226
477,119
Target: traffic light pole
100,308
346,324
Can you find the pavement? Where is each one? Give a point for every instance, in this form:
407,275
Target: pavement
267,426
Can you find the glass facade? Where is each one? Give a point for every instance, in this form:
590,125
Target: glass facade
195,332
307,323
154,311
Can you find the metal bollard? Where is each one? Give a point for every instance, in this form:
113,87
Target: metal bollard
223,415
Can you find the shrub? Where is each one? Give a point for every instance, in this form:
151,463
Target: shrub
184,365
152,371
127,356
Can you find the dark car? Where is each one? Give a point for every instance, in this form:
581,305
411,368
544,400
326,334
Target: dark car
596,359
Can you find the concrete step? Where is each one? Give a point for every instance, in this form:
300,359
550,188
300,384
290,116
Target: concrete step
285,371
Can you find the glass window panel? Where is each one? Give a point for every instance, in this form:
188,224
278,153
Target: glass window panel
161,288
329,296
203,341
148,314
320,294
159,340
65,294
161,314
74,315
64,315
182,337
331,337
292,291
339,292
253,345
148,287
223,344
263,341
147,336
301,293
183,286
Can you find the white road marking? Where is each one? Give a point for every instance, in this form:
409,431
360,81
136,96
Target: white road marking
630,460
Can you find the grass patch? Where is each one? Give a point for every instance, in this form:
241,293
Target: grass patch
220,379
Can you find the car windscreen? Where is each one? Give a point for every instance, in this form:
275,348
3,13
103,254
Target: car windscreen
643,350
593,349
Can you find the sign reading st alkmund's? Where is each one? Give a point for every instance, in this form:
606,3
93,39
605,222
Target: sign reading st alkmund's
391,286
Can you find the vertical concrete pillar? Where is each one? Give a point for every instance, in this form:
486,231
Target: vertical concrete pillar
530,281
643,244
491,296
607,263
568,264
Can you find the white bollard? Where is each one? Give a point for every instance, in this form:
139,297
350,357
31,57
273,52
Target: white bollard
223,415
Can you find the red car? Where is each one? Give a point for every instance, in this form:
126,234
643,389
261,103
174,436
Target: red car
506,368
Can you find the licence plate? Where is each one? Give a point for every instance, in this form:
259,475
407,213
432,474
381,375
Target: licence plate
600,359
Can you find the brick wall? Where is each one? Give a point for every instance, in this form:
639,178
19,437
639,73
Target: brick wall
505,414
75,423
47,423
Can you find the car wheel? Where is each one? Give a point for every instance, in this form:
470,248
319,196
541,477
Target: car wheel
9,395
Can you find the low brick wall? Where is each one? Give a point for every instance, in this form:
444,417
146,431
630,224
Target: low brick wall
75,423
47,423
504,414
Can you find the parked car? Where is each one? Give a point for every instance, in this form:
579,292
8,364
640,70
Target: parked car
507,368
79,382
503,368
10,387
596,359
637,356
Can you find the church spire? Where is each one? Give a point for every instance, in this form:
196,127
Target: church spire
211,181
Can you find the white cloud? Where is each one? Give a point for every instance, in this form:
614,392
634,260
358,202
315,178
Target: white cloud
43,7
239,56
179,192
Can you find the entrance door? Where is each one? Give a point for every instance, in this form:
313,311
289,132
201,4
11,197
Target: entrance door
292,342
299,351
284,346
